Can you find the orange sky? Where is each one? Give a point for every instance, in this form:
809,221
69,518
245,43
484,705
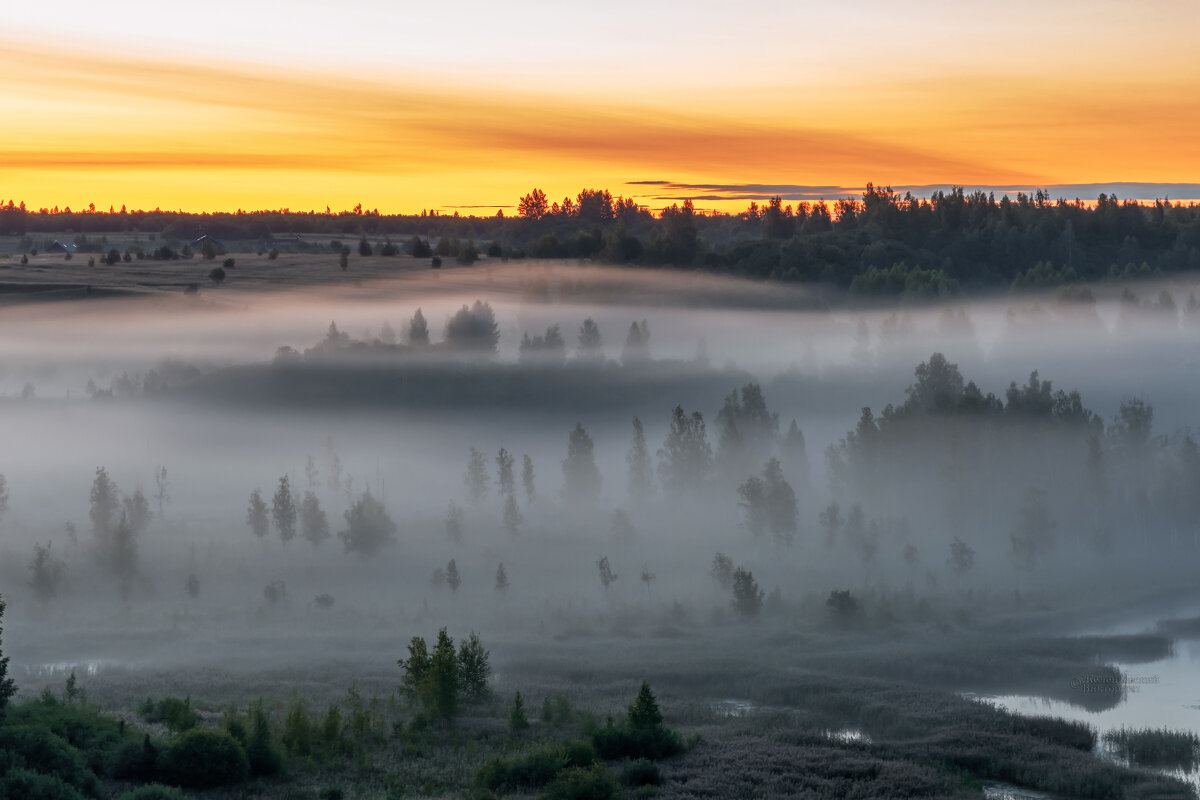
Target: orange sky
187,125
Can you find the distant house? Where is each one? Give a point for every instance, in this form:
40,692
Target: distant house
280,243
61,247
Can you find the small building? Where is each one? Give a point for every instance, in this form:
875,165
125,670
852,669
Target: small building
61,247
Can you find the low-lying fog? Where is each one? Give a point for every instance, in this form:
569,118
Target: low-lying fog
952,494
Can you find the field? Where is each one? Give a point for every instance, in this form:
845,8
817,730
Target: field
835,652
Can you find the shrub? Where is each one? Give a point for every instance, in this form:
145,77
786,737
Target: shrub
112,257
135,761
436,263
204,758
272,254
517,721
582,783
227,263
216,275
24,783
39,750
154,791
641,772
579,753
262,753
176,714
531,771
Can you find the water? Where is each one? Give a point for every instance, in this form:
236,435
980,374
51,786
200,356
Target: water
1159,694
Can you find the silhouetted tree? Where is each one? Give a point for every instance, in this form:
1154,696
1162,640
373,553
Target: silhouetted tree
581,478
283,510
685,459
962,557
547,349
473,329
527,479
45,572
161,489
722,571
747,597
256,515
512,515
637,344
364,247
369,528
137,510
644,715
517,721
607,576
104,506
216,275
476,478
501,579
591,346
641,470
454,522
533,205
1034,535
747,431
505,479
314,525
418,330
453,579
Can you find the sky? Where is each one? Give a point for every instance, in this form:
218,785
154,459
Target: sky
461,104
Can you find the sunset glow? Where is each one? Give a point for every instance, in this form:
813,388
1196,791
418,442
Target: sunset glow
402,112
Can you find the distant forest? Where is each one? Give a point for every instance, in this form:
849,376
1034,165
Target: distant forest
883,244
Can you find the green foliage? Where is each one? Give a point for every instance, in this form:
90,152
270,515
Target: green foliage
154,791
747,597
640,735
557,710
473,329
439,690
8,686
176,714
369,527
83,727
582,783
136,760
202,759
641,772
474,671
644,713
262,753
1158,747
38,750
25,784
297,735
414,669
533,770
517,721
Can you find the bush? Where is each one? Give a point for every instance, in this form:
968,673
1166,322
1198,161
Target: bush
436,262
272,254
582,783
262,754
112,257
154,791
641,772
204,758
531,771
216,275
28,785
39,750
227,263
135,761
176,714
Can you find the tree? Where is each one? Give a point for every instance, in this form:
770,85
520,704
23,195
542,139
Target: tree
368,527
533,205
439,691
547,349
747,430
637,344
473,329
517,721
962,557
476,478
8,686
216,275
161,489
414,669
607,576
344,260
501,579
504,473
644,714
364,247
454,522
512,515
314,525
641,470
45,573
474,671
939,386
527,479
831,520
747,597
1034,535
591,346
104,506
419,248
207,250
722,571
781,511
418,330
581,478
137,511
256,515
453,579
283,510
685,459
